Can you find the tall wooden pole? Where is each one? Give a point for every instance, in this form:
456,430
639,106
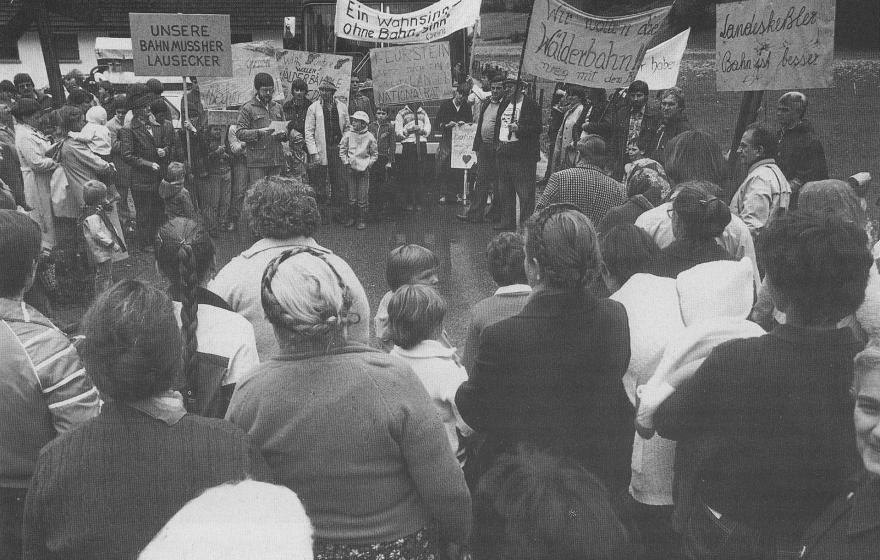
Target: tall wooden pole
53,70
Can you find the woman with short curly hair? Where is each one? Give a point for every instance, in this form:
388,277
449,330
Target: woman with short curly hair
283,213
550,376
347,427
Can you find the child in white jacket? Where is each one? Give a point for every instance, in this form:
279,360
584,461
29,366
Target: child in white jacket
358,151
416,313
95,132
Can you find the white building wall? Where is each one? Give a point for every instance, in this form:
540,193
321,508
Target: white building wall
31,59
31,55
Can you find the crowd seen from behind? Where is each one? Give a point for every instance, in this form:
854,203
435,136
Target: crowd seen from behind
671,366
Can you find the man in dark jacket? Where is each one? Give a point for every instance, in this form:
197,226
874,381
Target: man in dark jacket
799,152
673,122
517,130
143,149
265,155
627,125
484,146
452,112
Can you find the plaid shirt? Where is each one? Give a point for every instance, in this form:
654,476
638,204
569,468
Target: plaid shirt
587,187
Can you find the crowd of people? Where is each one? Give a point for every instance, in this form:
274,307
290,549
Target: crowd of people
672,365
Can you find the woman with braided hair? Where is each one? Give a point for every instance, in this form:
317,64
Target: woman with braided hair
551,376
219,346
347,427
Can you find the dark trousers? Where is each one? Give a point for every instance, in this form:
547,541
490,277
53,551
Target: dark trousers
653,524
329,181
150,209
411,173
11,513
487,181
516,177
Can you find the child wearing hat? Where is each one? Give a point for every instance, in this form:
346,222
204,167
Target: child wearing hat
358,151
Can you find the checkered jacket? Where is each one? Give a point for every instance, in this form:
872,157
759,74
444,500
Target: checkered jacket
587,187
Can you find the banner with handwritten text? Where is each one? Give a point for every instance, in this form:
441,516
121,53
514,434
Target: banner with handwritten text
359,22
411,73
567,45
774,44
249,59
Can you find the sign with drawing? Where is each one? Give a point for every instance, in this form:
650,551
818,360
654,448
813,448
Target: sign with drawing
463,155
249,59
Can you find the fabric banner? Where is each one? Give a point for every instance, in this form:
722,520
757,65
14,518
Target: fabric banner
411,73
661,64
249,59
361,23
463,155
774,44
567,45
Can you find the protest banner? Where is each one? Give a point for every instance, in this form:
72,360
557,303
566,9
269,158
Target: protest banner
181,44
220,117
774,44
411,73
312,68
463,155
359,22
661,64
567,45
249,59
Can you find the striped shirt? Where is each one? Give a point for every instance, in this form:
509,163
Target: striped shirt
44,390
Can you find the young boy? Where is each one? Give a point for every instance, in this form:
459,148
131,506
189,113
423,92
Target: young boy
416,313
105,243
381,192
214,194
178,202
358,151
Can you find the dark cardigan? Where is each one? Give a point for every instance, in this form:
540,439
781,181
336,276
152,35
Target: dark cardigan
104,490
551,376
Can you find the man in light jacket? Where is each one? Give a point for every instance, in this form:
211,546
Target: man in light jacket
765,191
326,122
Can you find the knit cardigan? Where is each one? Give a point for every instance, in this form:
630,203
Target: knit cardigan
356,436
105,489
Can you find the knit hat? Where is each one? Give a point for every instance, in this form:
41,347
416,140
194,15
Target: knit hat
262,80
361,116
155,86
8,87
25,108
96,115
327,83
19,237
139,96
22,78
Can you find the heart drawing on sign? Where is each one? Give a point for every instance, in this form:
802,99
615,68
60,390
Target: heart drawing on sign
465,157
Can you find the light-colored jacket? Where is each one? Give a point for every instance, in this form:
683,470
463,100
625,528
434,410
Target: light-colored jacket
437,367
662,312
759,198
36,172
407,123
99,239
316,137
239,284
358,150
44,390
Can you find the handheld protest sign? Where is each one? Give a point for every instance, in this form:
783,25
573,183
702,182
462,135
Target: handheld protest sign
181,44
463,155
411,73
